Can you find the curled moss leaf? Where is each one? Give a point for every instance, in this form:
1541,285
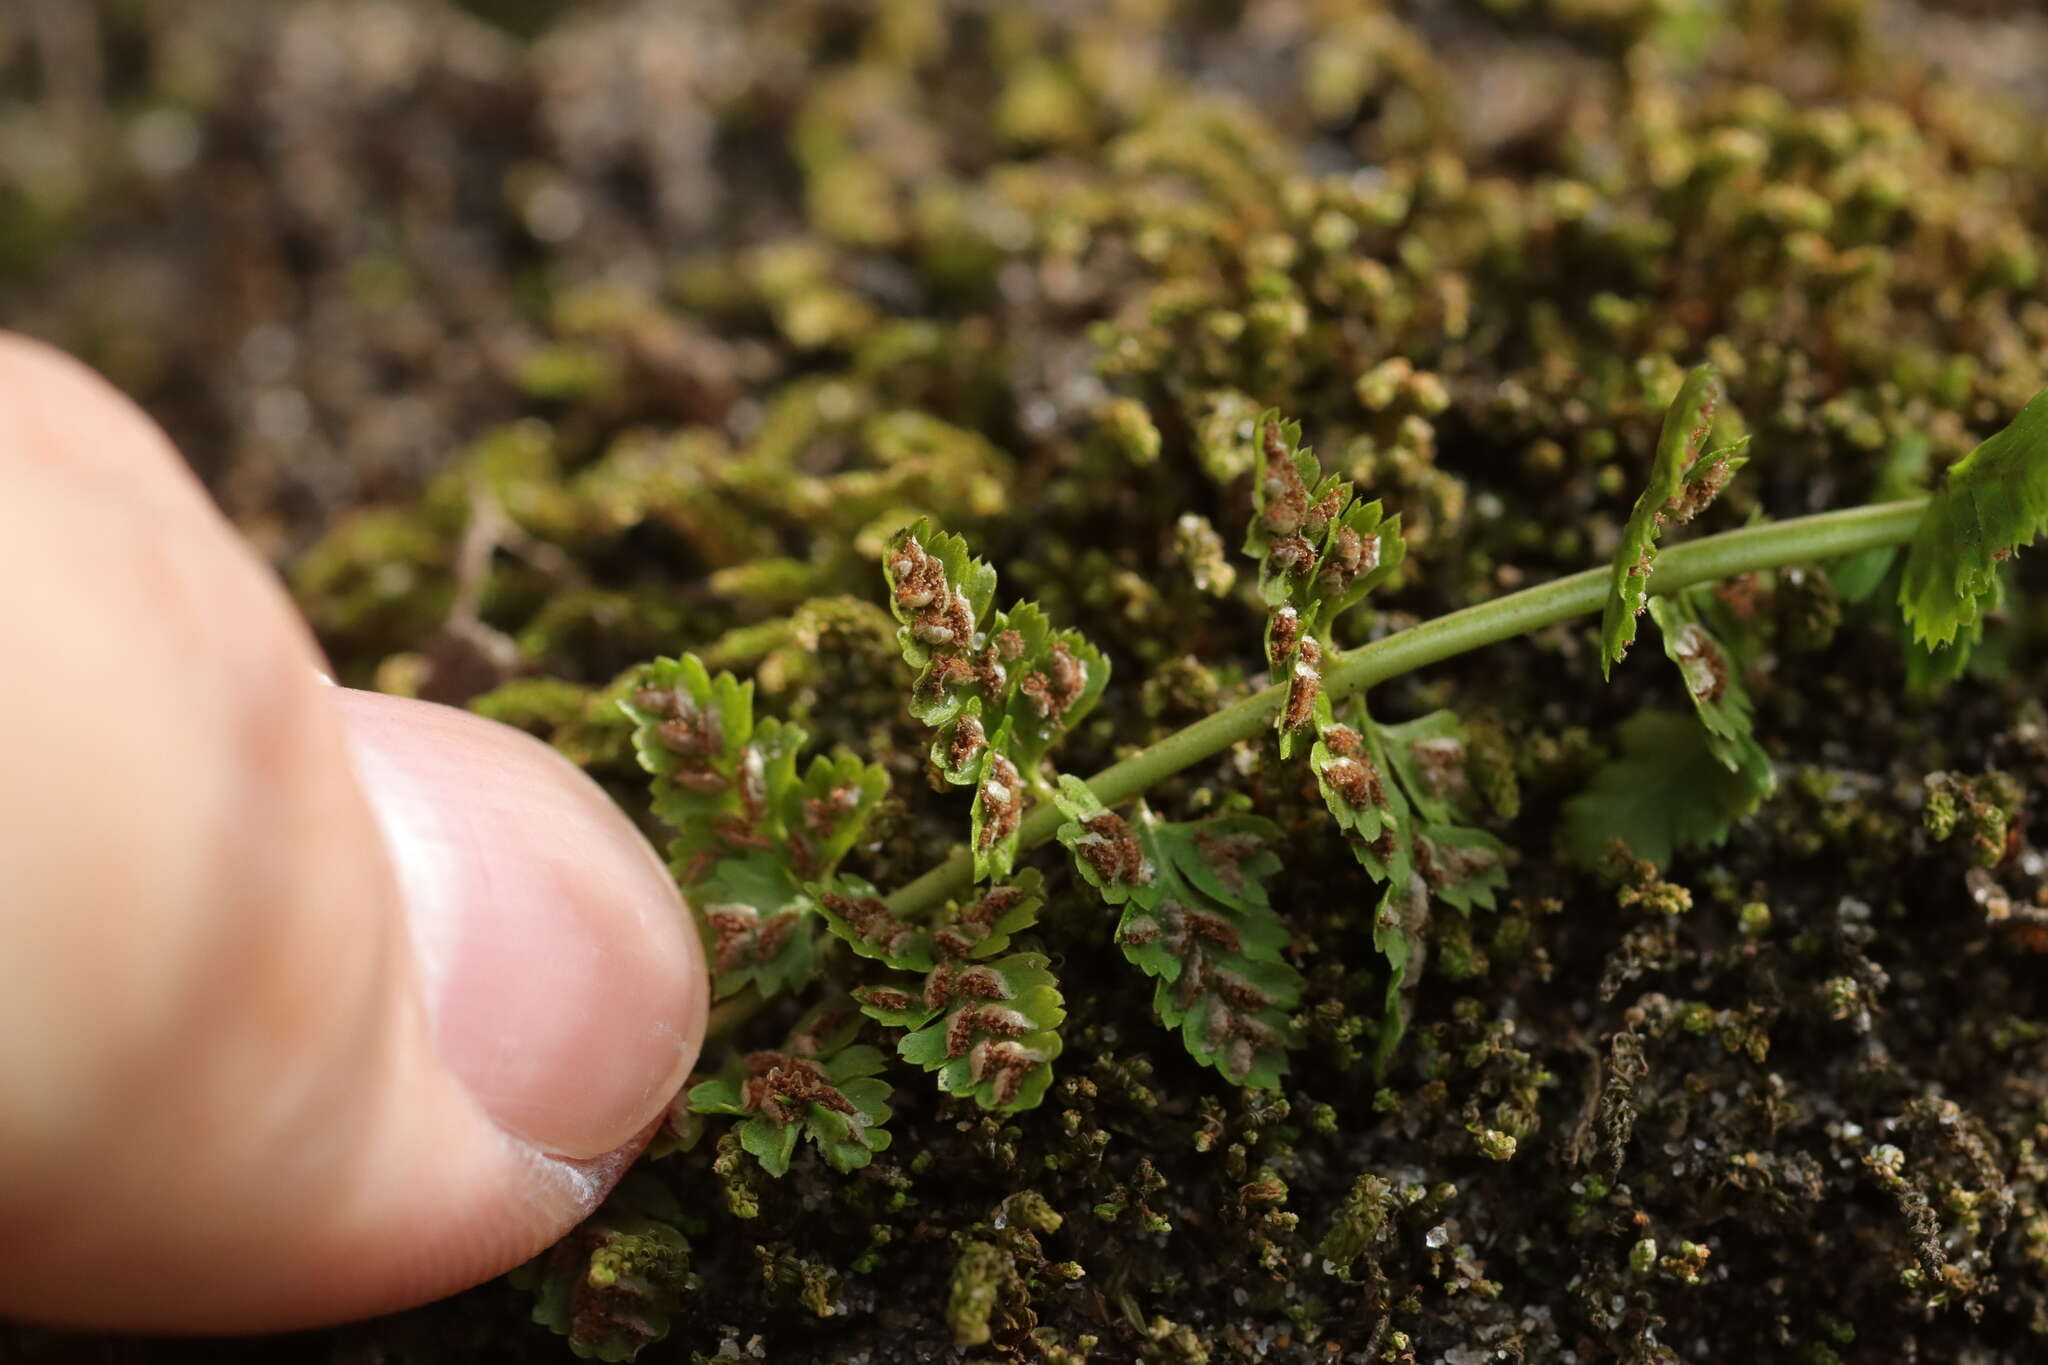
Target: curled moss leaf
1127,428
585,724
1361,1222
1981,808
982,1276
611,1286
1197,546
1687,473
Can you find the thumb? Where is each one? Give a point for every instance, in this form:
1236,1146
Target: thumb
313,1003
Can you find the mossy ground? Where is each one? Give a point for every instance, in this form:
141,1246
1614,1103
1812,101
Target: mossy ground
540,339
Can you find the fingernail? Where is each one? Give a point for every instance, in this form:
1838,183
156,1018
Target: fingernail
558,967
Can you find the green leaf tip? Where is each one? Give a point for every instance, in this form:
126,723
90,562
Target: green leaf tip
1687,473
1994,502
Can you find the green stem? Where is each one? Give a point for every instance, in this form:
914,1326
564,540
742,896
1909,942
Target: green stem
1828,535
729,1013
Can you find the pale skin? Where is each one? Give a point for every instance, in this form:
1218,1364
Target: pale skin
313,1003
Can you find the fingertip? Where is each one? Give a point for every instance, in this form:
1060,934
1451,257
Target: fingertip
56,412
327,1004
561,978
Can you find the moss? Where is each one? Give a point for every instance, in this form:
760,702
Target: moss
1035,272
1979,809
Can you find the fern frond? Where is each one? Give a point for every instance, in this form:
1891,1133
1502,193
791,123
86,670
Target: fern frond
997,815
1713,682
823,813
987,1022
1688,472
1320,551
1994,502
993,1031
750,833
999,689
1197,918
1401,793
1353,780
818,1085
